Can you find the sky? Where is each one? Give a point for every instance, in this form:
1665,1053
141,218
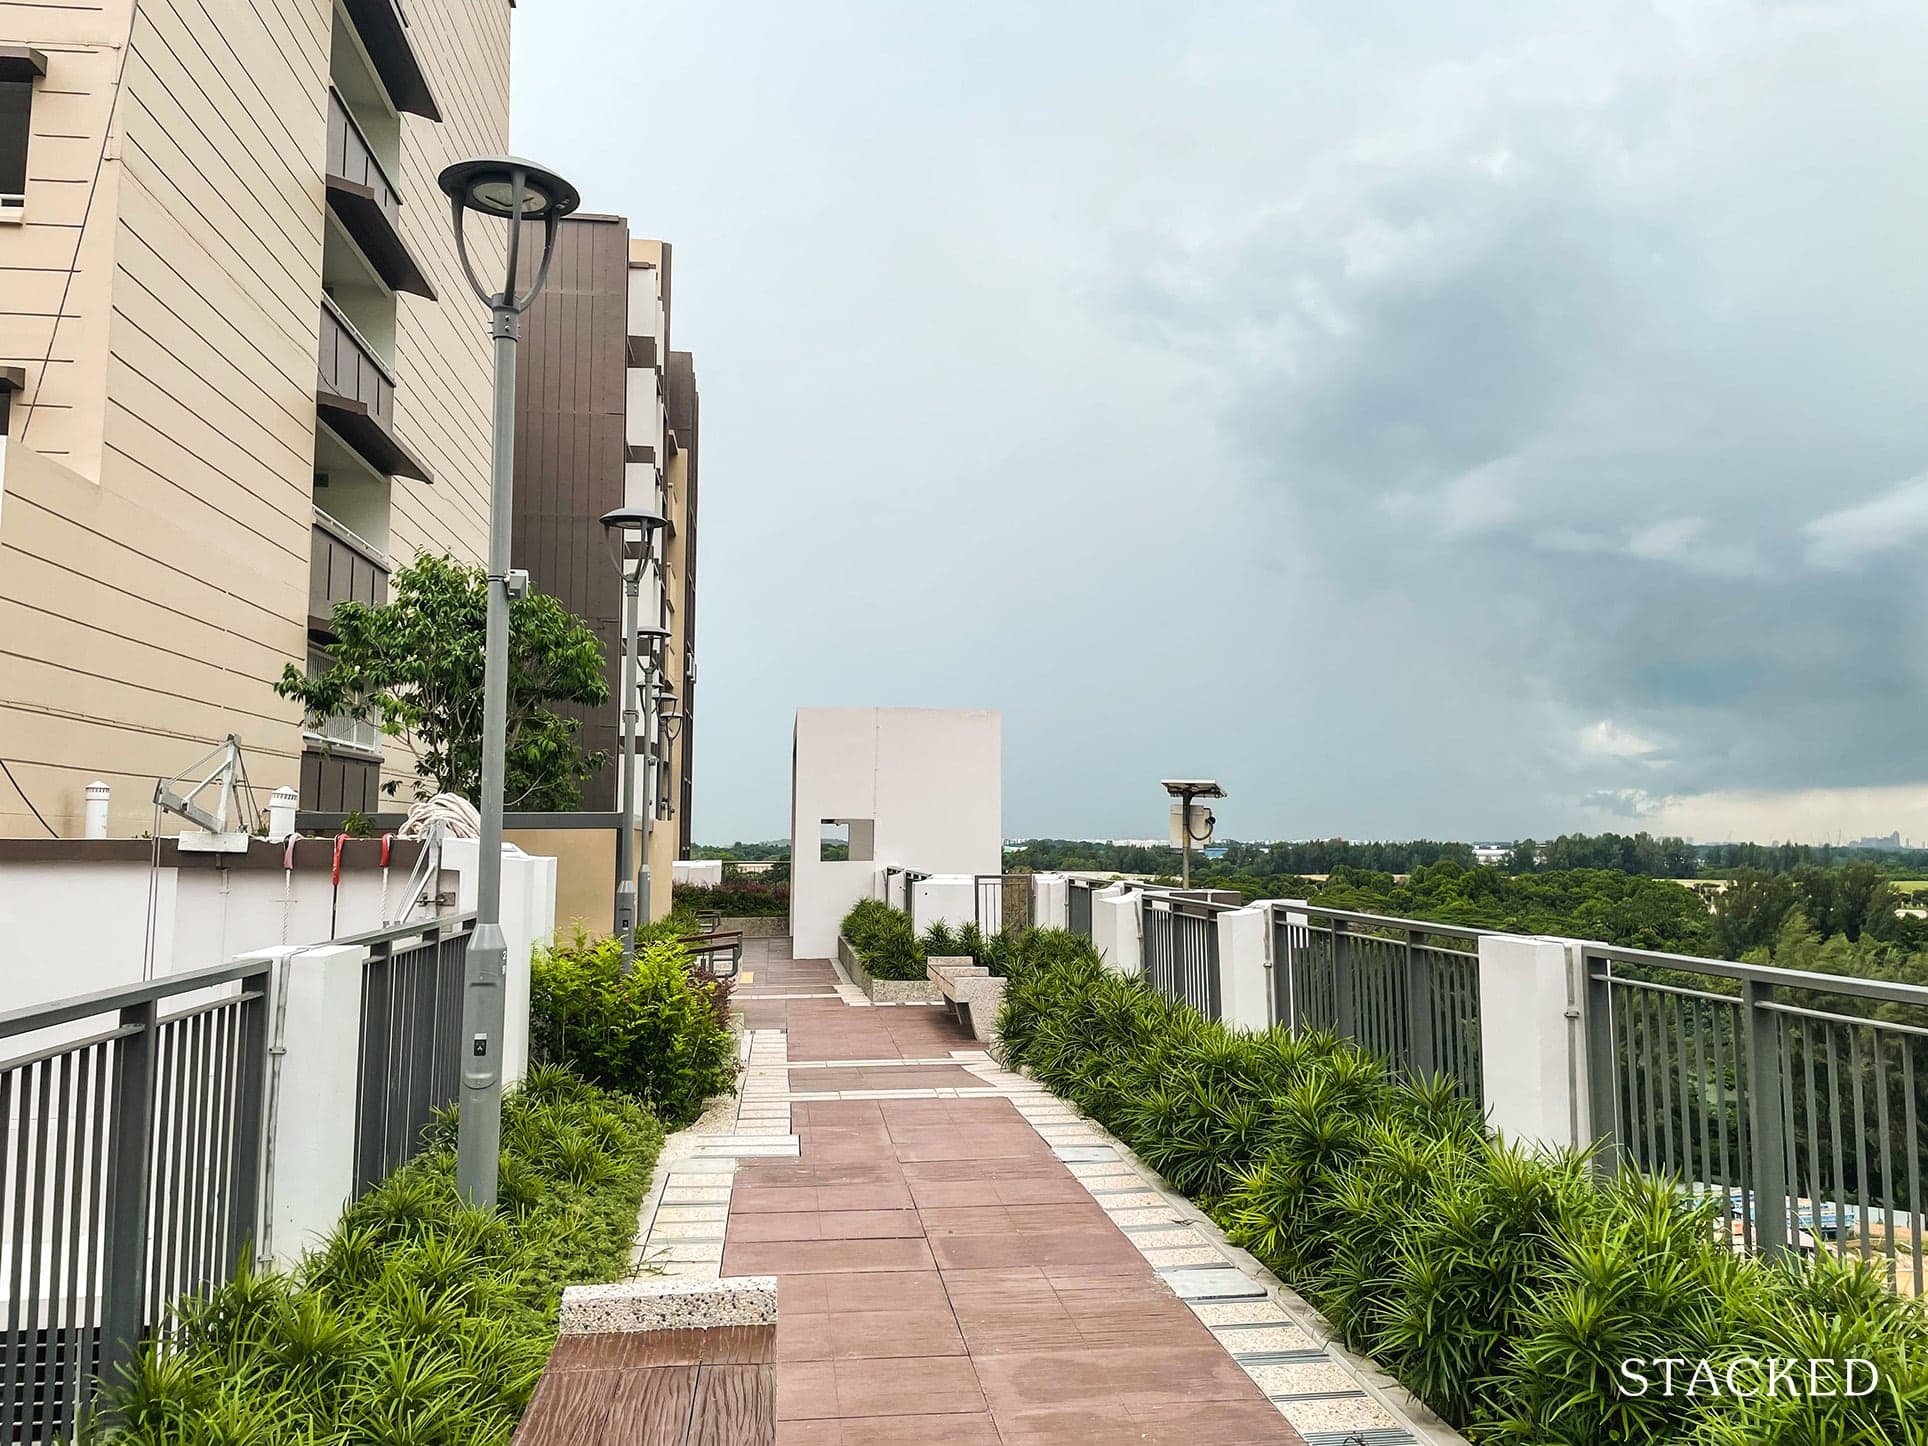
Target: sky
1472,421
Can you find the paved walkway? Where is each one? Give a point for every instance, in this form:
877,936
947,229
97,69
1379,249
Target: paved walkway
962,1261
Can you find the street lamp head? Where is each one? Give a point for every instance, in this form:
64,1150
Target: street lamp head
512,189
630,533
508,185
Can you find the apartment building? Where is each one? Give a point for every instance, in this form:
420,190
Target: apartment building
240,372
608,417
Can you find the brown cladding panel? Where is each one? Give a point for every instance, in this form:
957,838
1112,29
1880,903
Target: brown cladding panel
569,450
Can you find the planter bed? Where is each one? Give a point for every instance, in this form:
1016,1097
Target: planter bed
885,991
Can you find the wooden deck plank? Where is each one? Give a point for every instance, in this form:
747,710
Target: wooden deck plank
735,1406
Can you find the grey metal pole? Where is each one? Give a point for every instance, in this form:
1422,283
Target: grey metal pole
626,824
479,1135
648,689
1185,826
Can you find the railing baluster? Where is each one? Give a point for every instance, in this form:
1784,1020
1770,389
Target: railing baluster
124,1288
1764,1034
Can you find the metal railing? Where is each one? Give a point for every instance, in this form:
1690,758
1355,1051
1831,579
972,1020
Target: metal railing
1178,940
1406,989
999,908
1077,905
130,1155
1798,1098
410,1058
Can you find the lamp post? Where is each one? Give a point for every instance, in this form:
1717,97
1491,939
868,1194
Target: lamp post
630,532
515,191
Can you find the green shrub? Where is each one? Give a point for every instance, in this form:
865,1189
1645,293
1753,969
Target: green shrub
736,898
419,1322
660,1032
1503,1287
884,940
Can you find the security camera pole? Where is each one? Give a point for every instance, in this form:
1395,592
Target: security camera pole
1185,790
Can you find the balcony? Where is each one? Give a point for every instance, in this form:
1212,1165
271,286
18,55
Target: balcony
343,568
384,32
368,203
355,395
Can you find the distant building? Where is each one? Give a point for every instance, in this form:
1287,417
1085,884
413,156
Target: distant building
1891,841
1492,854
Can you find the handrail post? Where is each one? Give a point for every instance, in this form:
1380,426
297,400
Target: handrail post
1767,1137
244,1207
1602,1058
1342,1020
129,1164
1420,1044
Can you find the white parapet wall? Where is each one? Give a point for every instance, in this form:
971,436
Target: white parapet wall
944,899
1115,928
699,873
1244,967
190,911
1532,1041
918,788
528,923
1050,901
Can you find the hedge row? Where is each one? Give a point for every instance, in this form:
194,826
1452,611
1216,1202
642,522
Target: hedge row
1505,1288
884,940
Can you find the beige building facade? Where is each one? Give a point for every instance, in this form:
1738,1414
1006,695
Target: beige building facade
242,373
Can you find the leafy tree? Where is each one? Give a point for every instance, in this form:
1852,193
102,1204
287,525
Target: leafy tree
414,666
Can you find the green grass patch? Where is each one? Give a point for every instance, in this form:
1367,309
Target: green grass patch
419,1321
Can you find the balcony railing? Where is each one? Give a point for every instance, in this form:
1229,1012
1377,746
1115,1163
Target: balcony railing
355,394
368,202
343,568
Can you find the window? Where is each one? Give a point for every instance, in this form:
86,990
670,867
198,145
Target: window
841,839
20,66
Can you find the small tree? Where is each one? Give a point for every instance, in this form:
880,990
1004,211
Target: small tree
413,666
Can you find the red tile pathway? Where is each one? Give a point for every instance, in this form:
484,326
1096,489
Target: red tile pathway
943,1279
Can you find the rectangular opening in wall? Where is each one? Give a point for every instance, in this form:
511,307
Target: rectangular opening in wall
840,839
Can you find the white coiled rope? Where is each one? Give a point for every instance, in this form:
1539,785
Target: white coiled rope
456,814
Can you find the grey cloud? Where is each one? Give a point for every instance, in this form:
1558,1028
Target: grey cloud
1356,402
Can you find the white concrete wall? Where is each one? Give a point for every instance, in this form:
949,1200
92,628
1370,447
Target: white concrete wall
309,1169
928,779
703,873
945,899
203,917
1115,928
1244,972
1050,901
1533,1062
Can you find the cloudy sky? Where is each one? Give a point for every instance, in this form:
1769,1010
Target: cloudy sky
1463,420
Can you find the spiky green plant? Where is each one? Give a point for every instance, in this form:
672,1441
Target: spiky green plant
419,1321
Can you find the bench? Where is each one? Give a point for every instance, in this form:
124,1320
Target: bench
711,951
970,990
671,1362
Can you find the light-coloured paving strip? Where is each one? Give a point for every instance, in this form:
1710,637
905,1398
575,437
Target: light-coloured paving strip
680,1228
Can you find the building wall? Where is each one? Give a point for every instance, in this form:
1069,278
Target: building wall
570,391
927,783
155,553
